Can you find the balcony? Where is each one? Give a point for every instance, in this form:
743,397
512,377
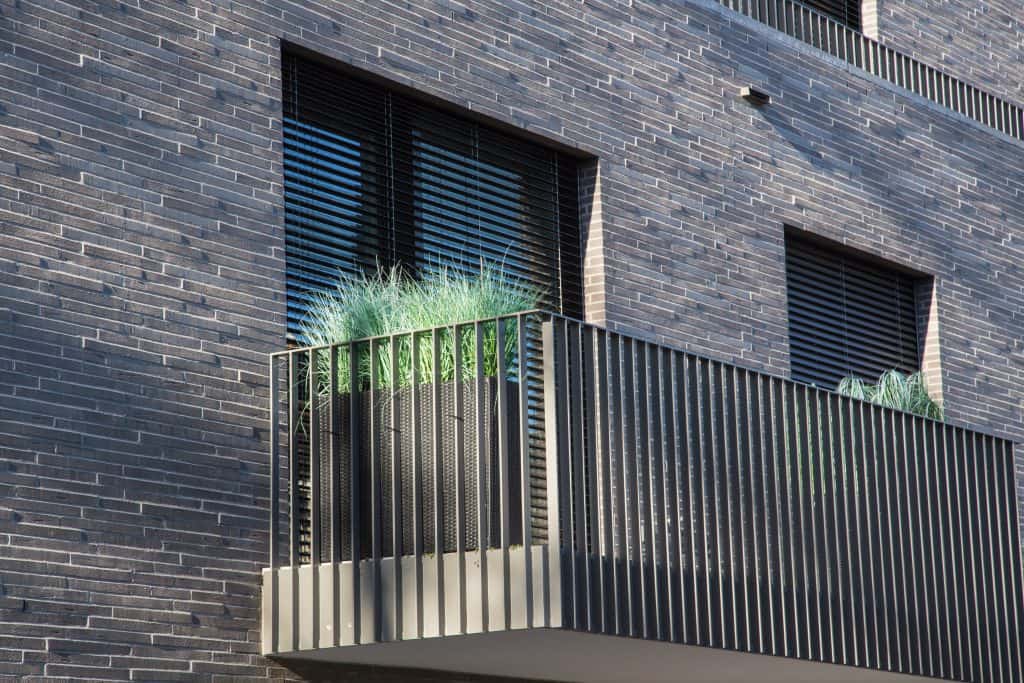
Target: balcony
533,496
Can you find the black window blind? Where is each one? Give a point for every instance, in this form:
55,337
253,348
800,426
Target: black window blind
375,178
847,316
844,11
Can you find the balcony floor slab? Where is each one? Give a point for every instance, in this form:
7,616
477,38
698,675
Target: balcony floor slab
563,655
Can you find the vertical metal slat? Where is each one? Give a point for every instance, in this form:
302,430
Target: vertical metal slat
504,514
525,500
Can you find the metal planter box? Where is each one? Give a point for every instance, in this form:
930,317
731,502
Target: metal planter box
399,433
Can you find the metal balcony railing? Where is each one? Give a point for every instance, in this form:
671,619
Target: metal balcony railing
532,471
853,47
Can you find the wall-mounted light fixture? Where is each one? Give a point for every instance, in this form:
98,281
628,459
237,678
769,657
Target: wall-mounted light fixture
756,97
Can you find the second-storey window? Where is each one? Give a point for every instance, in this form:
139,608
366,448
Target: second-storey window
844,11
848,315
375,178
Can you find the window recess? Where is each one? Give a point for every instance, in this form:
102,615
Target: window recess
848,314
844,11
376,178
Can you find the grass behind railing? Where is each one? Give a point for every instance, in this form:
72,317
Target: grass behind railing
894,390
391,303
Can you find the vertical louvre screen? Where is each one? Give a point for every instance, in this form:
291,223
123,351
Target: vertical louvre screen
847,316
376,179
844,11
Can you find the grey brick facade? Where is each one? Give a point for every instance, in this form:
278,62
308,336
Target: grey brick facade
142,256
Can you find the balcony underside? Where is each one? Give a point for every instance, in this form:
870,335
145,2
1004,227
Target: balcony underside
312,614
564,655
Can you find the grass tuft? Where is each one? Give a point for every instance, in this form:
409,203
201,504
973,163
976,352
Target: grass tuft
389,302
894,390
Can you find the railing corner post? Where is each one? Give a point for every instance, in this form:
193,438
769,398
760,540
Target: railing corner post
275,466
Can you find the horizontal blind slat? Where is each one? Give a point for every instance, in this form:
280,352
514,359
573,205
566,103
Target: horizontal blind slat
847,316
375,177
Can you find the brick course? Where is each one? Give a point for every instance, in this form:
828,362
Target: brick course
142,260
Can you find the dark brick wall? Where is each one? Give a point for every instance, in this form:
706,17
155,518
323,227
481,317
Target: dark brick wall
980,41
141,254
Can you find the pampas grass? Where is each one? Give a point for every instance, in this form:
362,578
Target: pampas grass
391,303
894,390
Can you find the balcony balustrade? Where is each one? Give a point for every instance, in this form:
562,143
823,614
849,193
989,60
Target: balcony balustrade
535,496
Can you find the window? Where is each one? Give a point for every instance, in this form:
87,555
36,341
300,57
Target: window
376,178
848,315
844,11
